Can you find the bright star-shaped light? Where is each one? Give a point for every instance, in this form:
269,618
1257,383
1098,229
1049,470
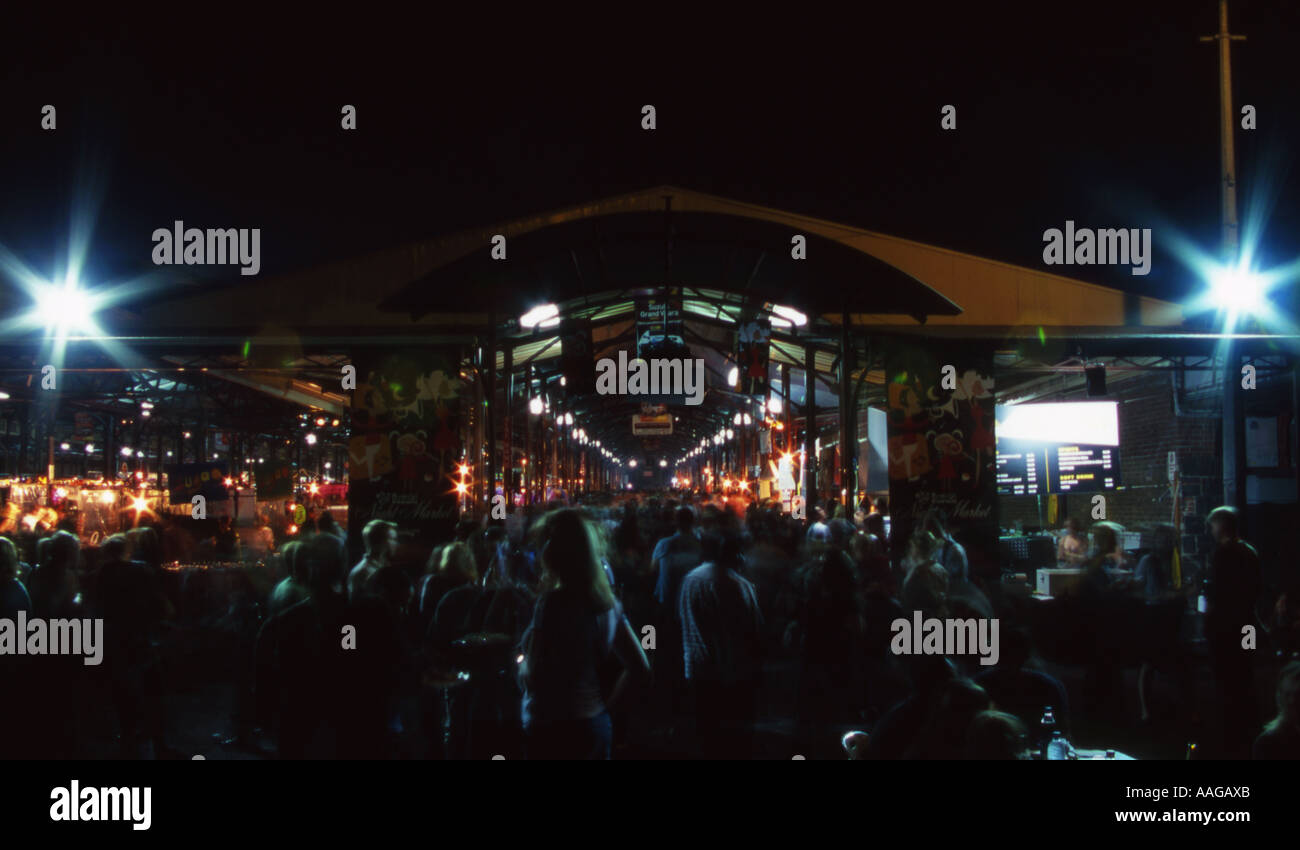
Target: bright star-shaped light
64,310
1237,290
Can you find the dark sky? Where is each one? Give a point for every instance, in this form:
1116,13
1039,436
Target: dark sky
1104,113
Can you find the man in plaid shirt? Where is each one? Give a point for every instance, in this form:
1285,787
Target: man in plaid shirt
721,625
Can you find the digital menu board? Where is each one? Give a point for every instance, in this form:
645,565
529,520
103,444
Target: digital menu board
1082,469
1021,471
1067,447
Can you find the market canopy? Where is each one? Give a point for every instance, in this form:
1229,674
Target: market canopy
592,257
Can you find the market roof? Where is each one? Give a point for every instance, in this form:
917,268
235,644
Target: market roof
884,280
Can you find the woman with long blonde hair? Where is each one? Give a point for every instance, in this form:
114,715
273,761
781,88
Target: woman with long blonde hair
577,626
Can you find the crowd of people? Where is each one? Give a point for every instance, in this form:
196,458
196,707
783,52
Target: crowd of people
668,625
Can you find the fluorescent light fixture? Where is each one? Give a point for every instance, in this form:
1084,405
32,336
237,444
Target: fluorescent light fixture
1093,423
790,314
547,315
733,376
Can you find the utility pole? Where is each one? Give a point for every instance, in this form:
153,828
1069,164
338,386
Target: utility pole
1227,123
1234,442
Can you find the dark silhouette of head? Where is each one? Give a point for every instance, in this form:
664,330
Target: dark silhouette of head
571,552
995,736
380,537
1224,523
321,557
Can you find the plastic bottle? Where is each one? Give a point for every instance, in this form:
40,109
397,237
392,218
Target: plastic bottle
1046,730
1058,749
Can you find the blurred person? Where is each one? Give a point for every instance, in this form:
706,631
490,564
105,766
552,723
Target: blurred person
294,587
1157,576
943,735
721,632
228,546
14,669
1018,687
925,585
263,540
128,596
996,736
52,707
13,596
327,525
53,585
831,627
897,730
1281,736
576,626
453,568
299,657
1233,586
673,558
370,673
1107,551
1072,548
380,538
950,554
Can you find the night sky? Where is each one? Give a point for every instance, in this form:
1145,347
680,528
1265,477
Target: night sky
1104,113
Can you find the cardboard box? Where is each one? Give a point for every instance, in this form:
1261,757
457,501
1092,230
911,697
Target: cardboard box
1058,582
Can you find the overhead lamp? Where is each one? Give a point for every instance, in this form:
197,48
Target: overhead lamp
790,314
540,316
